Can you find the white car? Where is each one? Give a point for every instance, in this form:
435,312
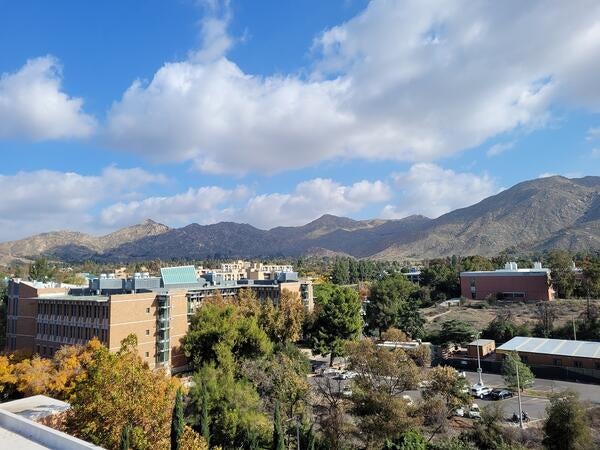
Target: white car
473,412
480,390
330,372
347,391
348,375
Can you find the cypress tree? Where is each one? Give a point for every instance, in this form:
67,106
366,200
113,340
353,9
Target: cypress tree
204,419
177,421
125,432
278,438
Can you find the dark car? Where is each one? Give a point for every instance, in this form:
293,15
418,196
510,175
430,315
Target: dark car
500,394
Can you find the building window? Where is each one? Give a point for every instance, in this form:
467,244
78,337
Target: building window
557,362
578,364
147,354
147,310
147,332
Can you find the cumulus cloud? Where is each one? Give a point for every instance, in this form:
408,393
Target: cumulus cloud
431,190
33,106
403,80
204,205
46,200
309,200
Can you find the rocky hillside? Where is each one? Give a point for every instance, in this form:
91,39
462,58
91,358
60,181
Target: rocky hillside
541,214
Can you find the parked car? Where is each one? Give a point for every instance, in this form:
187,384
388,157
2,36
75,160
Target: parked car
500,394
317,366
330,372
348,375
480,390
472,412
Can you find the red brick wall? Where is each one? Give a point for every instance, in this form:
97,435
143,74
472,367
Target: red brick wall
535,287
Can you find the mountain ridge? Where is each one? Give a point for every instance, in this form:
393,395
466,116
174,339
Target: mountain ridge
534,215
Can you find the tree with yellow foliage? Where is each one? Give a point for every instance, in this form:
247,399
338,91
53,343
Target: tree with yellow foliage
7,376
121,390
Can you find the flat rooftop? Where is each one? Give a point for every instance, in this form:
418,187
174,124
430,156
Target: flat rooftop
557,347
35,407
482,342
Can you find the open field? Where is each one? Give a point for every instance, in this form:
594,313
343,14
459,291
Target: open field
479,314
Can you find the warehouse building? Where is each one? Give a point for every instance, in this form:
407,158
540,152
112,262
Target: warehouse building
554,352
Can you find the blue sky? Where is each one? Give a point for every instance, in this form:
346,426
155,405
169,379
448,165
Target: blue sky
275,112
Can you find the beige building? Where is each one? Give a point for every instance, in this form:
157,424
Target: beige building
44,317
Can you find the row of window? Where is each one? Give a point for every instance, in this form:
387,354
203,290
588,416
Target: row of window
71,331
92,310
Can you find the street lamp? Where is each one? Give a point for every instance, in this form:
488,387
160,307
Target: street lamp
478,359
519,396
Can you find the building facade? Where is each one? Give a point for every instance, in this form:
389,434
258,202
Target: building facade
510,283
44,317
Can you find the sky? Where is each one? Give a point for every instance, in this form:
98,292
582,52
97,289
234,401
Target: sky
274,112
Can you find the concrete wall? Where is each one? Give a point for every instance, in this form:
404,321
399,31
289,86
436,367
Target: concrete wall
134,314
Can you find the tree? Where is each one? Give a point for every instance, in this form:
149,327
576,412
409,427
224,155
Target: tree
34,376
338,321
177,422
487,433
546,315
40,270
7,377
511,364
383,376
291,316
125,438
220,334
566,426
456,332
503,329
394,335
388,301
562,275
340,273
204,417
410,440
121,389
234,407
278,437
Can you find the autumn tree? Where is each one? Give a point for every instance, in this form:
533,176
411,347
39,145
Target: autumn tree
290,315
383,376
338,321
120,389
34,376
8,379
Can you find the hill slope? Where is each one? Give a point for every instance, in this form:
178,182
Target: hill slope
541,214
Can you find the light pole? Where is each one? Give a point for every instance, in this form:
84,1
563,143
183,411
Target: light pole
519,395
478,359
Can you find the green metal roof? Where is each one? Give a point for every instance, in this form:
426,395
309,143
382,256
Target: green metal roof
178,275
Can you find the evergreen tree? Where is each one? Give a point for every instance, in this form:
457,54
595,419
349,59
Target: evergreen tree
177,421
125,434
338,321
204,418
566,427
278,438
509,370
389,302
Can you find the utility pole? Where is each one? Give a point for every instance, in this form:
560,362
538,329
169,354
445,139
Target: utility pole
478,360
574,330
519,395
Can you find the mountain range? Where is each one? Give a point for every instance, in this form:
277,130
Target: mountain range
535,215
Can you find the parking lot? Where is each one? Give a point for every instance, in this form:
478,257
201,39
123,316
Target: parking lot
534,406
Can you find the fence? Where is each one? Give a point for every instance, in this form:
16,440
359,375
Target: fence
573,374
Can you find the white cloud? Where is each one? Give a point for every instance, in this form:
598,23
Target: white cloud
33,106
46,200
497,149
309,200
593,134
431,190
204,205
404,80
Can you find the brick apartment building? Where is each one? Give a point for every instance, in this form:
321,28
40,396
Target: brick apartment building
508,283
42,317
